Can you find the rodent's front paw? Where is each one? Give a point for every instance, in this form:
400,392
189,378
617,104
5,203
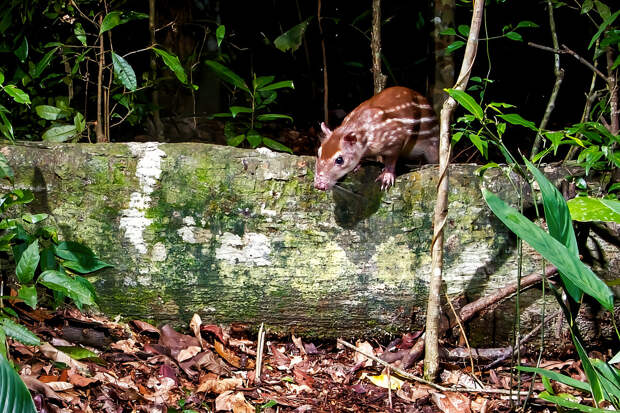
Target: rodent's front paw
387,179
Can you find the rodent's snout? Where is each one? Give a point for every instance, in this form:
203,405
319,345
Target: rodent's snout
320,185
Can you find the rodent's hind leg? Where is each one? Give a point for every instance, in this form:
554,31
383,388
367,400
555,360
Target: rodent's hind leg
388,175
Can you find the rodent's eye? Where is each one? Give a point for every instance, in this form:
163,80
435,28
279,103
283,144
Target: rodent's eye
339,160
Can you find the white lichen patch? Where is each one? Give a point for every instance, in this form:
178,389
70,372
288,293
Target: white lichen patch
394,260
159,252
192,234
252,249
148,170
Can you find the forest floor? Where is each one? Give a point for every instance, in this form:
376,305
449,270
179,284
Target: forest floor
135,367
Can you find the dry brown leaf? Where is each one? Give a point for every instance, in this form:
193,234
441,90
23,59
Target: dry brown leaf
210,384
359,358
44,378
233,401
188,353
298,343
37,386
302,378
212,363
54,354
80,381
126,346
195,326
176,341
60,385
282,361
413,393
450,402
231,357
144,327
161,389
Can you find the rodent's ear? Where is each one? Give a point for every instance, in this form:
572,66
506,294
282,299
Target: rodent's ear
326,132
350,138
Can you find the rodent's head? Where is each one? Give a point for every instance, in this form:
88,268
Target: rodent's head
340,152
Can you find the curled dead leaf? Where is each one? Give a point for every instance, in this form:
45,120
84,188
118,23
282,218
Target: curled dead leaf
210,384
233,401
232,358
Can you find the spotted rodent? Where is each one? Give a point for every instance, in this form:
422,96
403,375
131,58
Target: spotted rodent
398,122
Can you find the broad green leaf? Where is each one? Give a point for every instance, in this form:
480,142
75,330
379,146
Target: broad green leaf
220,32
173,63
254,138
276,145
227,75
79,122
277,85
273,116
291,39
5,241
480,144
593,378
1,77
48,112
480,171
516,119
29,295
552,250
262,81
587,6
5,169
456,137
115,18
22,51
17,94
14,395
463,29
28,263
79,257
124,72
526,23
236,141
468,102
58,281
19,332
615,359
43,63
448,32
587,209
610,379
48,259
235,110
603,26
602,9
559,377
452,47
558,220
616,63
514,36
61,133
79,353
80,33
86,267
560,401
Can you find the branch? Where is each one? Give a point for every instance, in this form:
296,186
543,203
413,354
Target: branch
566,50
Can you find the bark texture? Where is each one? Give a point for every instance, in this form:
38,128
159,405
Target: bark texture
242,236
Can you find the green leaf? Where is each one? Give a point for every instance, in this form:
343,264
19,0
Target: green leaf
59,133
291,39
58,281
28,263
467,102
79,122
19,332
254,138
17,94
227,75
452,47
480,171
116,18
29,295
79,257
514,36
236,141
262,81
124,72
448,32
22,51
587,209
481,144
560,401
273,116
516,119
526,23
48,112
43,63
173,63
603,26
559,377
610,379
602,9
80,33
5,169
551,249
79,353
277,85
463,29
276,145
14,395
86,267
220,32
235,110
558,220
587,6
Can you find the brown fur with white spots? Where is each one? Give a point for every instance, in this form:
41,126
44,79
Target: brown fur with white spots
398,122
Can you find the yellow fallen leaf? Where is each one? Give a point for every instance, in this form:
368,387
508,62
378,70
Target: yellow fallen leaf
382,381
